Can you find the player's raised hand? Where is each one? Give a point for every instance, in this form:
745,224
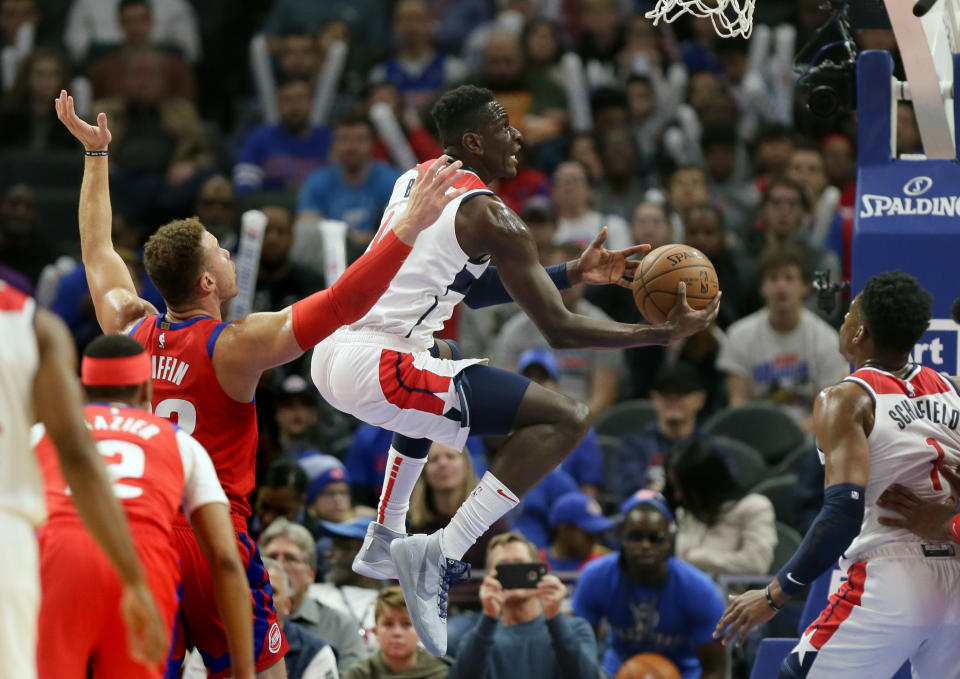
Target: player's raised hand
146,633
927,518
745,612
93,137
685,320
428,196
599,266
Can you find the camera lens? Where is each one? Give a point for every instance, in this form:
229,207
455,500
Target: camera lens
824,101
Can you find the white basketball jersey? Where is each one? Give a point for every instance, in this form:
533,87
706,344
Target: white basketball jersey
21,487
916,423
435,276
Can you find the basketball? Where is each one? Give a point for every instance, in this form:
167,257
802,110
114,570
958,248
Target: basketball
662,270
648,666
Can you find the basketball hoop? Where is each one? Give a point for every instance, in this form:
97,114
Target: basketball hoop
731,18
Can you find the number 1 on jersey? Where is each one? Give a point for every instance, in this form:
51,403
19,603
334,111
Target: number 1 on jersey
934,474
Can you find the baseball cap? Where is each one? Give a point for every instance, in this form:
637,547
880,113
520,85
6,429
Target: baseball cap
581,510
538,208
541,357
333,473
354,528
645,496
677,378
294,386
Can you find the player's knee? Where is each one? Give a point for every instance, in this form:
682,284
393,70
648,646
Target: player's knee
577,419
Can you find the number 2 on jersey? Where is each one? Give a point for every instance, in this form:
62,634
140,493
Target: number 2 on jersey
124,460
934,474
186,413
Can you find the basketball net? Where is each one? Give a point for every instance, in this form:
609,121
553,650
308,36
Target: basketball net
731,18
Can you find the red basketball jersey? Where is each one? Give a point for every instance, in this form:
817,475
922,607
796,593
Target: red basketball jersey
186,390
144,464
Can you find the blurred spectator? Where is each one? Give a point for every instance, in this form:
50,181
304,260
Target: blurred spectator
726,164
421,142
651,225
576,522
281,494
27,117
22,247
782,353
642,51
455,19
292,546
621,189
447,480
400,654
543,45
652,601
344,590
772,150
704,229
281,281
520,632
578,222
298,57
309,656
279,156
588,376
328,495
642,457
537,106
583,149
840,162
585,463
609,109
720,527
95,23
687,187
601,39
136,21
417,70
533,514
354,189
807,168
216,208
540,217
297,417
15,14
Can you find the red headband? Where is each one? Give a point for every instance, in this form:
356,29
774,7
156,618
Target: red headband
115,372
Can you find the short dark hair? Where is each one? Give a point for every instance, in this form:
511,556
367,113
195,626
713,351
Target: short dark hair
114,345
459,111
284,79
124,4
704,477
785,182
779,256
174,259
896,309
286,473
718,135
356,116
710,209
608,97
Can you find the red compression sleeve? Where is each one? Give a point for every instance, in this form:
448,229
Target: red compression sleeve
352,296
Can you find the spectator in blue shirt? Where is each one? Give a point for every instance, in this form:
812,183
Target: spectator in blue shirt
576,522
641,458
279,156
652,601
354,189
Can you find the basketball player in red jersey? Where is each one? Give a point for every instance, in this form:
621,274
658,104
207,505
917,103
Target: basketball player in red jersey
205,371
154,469
37,382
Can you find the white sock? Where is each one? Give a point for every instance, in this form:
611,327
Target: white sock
488,502
400,477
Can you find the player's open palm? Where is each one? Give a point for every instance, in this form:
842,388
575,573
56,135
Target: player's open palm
146,635
745,612
685,320
93,137
428,197
599,266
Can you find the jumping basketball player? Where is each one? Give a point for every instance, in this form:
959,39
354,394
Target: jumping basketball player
890,420
385,370
155,469
205,371
37,364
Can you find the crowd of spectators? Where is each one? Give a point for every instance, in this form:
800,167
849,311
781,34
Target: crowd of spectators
217,107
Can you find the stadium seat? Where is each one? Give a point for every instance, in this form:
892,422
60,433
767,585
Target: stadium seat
768,429
770,655
787,542
779,489
747,465
624,418
792,461
42,169
608,446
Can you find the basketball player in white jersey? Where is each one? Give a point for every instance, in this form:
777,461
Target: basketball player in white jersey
891,421
385,369
37,364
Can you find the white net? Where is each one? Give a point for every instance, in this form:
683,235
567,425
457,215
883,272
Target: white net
731,18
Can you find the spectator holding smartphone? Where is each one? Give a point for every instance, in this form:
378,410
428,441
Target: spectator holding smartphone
520,633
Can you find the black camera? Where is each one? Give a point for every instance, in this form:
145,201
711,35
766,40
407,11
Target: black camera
830,84
827,290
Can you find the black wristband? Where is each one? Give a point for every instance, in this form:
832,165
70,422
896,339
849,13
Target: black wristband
766,592
96,153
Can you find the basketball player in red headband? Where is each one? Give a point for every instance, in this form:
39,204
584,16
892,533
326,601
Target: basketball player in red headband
155,470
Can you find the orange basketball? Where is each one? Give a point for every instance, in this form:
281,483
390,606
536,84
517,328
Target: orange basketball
648,666
662,270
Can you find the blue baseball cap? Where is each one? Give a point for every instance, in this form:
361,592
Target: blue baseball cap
580,510
541,357
648,497
332,473
354,528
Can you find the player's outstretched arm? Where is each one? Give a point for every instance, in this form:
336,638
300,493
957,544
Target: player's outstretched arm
842,421
59,406
260,341
486,226
111,286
